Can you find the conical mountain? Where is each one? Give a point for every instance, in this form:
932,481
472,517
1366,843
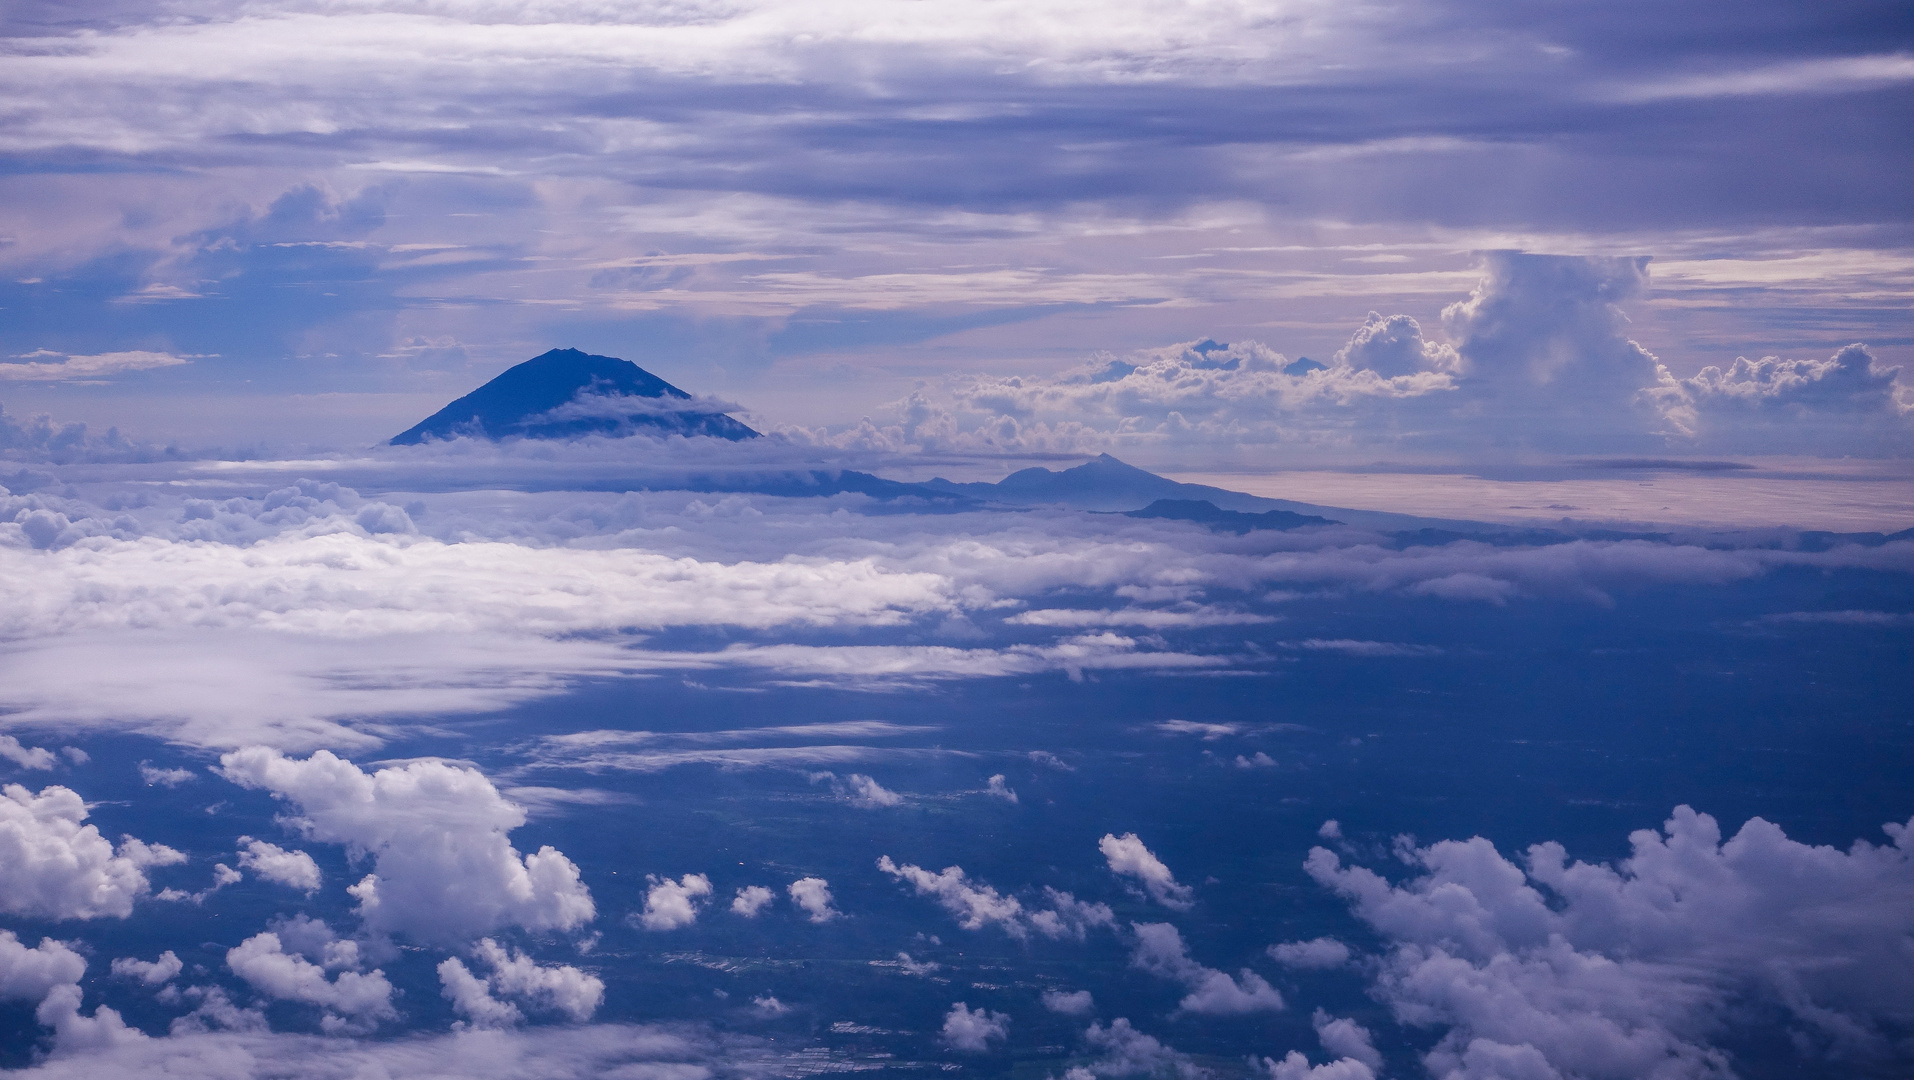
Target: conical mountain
565,394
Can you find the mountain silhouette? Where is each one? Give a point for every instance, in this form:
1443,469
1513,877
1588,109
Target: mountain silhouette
565,394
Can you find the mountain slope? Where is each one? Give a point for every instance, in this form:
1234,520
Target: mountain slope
564,394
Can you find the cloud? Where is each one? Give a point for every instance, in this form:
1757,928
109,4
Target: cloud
1346,1039
58,868
50,974
27,757
444,869
973,1030
1128,857
1294,1066
1125,1051
274,863
1069,1002
670,905
975,904
1631,970
1001,789
868,794
351,999
1395,346
1318,954
550,1052
1848,402
28,974
1160,951
751,900
165,777
150,972
1538,357
78,368
813,895
561,987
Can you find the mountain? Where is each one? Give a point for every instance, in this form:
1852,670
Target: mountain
1208,513
1109,485
564,394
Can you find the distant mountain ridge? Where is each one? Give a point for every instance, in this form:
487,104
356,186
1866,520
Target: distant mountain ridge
566,394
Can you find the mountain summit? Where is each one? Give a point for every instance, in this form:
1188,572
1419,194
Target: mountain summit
564,394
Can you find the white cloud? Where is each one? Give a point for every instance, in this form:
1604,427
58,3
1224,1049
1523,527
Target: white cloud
1318,954
444,869
813,895
751,900
350,999
1069,1002
1629,970
670,904
559,987
868,794
28,974
150,972
50,974
1294,1066
274,863
974,1030
58,868
1125,1051
96,366
548,1052
1001,789
1129,858
27,757
975,905
1160,951
1395,346
165,777
471,996
1346,1039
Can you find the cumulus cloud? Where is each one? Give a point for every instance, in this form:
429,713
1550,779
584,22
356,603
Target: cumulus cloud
1001,789
1395,346
560,987
1128,857
350,999
444,869
974,1030
27,757
868,794
1069,1002
813,895
157,777
1294,1066
751,900
58,868
1588,969
1319,954
150,972
975,904
1848,402
274,863
1538,356
50,975
1122,1050
1346,1039
1160,950
670,904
